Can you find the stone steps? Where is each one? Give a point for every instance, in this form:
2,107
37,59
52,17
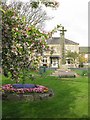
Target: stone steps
64,73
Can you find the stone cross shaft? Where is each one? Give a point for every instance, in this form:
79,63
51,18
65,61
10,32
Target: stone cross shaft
62,33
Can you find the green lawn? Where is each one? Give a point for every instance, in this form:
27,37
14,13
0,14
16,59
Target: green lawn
70,100
81,72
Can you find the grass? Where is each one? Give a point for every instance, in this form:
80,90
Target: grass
81,72
70,99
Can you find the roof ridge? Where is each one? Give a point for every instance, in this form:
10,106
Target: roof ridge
67,41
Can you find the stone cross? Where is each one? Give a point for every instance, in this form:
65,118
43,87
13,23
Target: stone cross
62,33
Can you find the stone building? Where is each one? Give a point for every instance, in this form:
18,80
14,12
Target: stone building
54,60
85,51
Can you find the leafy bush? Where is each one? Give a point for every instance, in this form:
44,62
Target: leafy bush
84,73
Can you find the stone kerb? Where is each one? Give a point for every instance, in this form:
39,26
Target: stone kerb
38,92
27,97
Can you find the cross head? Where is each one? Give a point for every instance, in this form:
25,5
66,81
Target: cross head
62,31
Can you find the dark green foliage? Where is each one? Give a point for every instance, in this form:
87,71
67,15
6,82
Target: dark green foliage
84,73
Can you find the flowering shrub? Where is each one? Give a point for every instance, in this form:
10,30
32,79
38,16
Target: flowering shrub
38,89
22,44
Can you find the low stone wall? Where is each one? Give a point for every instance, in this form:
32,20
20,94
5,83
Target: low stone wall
27,97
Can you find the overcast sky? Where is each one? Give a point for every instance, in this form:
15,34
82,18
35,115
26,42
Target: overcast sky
73,15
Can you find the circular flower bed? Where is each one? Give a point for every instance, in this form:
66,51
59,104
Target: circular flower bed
24,88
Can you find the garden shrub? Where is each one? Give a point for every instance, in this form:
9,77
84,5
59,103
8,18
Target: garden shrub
84,73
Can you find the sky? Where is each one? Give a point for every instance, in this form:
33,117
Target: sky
73,15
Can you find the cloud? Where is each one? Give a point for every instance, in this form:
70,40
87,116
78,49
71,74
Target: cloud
73,15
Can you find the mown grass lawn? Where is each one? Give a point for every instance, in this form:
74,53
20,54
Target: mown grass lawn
70,100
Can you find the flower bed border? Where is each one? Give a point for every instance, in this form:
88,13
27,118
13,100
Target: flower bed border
41,94
28,96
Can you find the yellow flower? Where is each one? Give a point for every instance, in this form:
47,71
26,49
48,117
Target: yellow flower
2,90
46,90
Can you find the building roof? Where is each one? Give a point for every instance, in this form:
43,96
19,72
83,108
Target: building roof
56,40
84,49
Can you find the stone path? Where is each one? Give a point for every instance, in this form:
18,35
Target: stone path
64,73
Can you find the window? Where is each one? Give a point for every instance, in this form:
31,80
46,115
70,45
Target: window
44,60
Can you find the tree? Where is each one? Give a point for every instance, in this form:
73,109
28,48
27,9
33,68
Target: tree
33,11
49,3
21,44
72,55
82,58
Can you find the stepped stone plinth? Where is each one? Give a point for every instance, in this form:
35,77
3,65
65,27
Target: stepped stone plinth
64,73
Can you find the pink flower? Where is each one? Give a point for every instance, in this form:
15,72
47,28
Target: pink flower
38,89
